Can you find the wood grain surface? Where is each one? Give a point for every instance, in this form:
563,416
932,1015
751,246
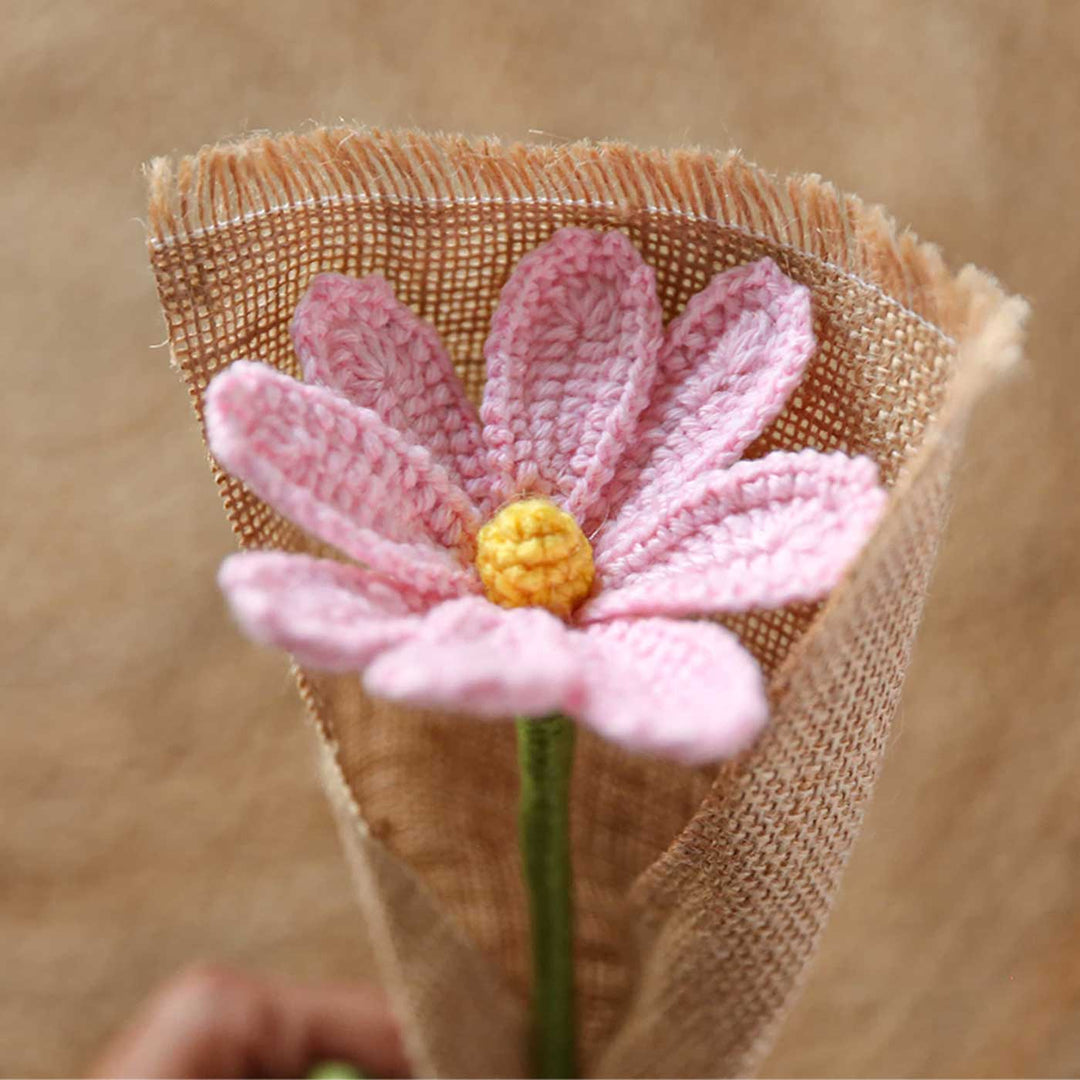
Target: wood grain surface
158,793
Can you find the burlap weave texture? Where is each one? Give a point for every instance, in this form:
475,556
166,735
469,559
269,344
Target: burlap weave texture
700,893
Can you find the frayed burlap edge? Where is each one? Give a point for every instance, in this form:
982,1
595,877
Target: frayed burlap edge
258,177
689,1015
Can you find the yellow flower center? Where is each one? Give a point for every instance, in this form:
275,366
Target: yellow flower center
532,554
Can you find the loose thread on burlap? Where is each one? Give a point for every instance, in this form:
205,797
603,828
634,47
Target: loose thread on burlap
545,758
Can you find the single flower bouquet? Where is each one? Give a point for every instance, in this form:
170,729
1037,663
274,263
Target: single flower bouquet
647,453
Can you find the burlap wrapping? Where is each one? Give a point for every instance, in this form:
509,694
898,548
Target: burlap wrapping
700,894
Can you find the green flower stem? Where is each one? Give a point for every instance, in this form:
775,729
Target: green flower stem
545,756
335,1070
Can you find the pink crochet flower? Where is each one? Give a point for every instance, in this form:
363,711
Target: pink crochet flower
635,431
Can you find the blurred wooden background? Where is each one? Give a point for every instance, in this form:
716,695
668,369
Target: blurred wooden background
158,798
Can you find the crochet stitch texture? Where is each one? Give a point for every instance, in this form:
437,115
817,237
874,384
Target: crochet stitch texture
532,554
590,405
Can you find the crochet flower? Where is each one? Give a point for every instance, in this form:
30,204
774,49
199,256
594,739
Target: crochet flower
541,556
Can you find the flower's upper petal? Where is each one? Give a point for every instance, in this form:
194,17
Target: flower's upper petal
470,656
570,363
328,615
761,534
728,365
341,473
685,690
354,336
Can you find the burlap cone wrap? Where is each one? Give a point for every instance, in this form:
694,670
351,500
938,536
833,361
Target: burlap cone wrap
700,894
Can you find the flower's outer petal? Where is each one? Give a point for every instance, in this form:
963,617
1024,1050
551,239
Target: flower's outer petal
471,656
758,535
570,363
330,616
728,364
684,690
339,472
354,336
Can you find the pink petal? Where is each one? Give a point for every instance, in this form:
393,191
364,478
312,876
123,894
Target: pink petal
686,690
728,365
354,336
328,615
571,359
761,534
471,656
341,473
